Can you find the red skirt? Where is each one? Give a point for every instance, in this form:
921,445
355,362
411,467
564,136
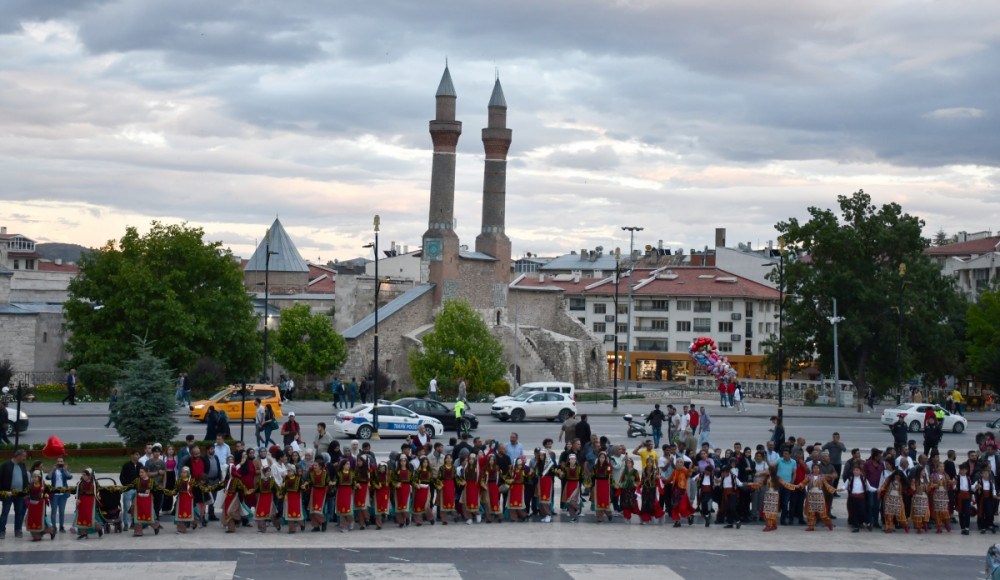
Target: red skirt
36,522
403,493
142,509
345,500
571,491
682,505
602,494
447,495
515,497
361,497
262,511
382,496
317,500
472,490
420,499
545,489
185,508
293,506
493,495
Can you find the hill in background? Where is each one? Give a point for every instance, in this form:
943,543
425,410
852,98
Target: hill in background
64,252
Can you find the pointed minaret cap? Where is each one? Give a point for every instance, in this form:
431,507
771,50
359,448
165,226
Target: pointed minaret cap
446,88
496,99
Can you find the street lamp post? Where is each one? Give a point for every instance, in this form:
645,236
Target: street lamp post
374,246
628,331
781,323
618,271
899,332
267,274
243,408
834,320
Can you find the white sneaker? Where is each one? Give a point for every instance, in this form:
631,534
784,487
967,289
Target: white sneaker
548,519
468,522
479,518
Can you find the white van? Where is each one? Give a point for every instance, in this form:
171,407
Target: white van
543,386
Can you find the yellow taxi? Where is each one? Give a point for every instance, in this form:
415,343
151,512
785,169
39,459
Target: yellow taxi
230,400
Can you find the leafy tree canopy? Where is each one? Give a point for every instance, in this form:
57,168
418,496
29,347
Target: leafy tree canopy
873,263
145,409
307,344
983,321
185,295
478,354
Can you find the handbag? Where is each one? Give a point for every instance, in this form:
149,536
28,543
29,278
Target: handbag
273,424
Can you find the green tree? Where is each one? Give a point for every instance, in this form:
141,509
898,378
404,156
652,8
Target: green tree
941,238
145,409
184,295
873,264
459,329
983,332
307,344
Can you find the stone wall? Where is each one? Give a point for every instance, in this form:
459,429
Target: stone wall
50,342
581,362
279,282
356,297
17,340
394,345
478,287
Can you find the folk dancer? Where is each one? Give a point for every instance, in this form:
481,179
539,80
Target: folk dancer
628,484
940,486
36,520
986,501
650,508
291,494
857,487
472,492
402,483
491,479
344,482
572,478
920,509
705,483
266,489
602,487
382,484
963,497
143,514
772,498
447,488
681,505
423,479
362,487
544,483
731,484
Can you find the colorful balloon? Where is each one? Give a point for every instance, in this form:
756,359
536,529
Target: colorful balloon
706,355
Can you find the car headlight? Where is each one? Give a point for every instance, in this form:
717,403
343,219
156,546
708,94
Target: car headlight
199,406
23,416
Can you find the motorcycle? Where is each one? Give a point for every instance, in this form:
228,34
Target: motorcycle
635,428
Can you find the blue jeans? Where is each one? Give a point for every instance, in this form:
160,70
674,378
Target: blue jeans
19,510
703,438
784,495
434,396
657,434
723,399
732,402
257,434
59,508
127,498
873,507
267,436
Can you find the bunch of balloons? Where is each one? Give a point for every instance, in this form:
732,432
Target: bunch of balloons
704,353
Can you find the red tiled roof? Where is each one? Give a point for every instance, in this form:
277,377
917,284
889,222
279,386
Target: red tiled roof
676,281
50,266
981,246
322,280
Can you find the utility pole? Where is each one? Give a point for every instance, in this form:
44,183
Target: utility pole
628,331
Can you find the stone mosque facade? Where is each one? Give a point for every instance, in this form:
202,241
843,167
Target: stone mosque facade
551,345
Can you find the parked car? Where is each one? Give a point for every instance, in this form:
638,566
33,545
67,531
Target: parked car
535,405
438,410
542,386
230,400
913,414
13,420
393,421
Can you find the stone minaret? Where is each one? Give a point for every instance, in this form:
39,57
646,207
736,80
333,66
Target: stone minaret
492,239
440,243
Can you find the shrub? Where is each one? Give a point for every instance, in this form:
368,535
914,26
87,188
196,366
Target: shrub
97,379
499,388
810,395
6,372
49,392
99,445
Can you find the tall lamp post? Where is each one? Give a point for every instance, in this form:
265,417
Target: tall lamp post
618,271
834,320
628,331
781,324
899,331
374,246
267,288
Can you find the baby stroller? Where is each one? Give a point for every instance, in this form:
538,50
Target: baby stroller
110,501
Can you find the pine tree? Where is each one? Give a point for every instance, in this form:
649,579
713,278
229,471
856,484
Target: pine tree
145,409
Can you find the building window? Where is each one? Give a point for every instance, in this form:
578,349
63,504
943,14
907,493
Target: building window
600,308
651,344
683,326
623,308
725,347
682,346
703,325
683,305
583,321
726,327
659,324
661,305
577,304
702,305
17,264
725,305
621,328
600,327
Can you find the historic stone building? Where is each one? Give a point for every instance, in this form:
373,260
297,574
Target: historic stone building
549,343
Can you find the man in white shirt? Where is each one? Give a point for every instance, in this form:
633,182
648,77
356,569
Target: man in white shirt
259,422
222,450
685,421
432,389
148,455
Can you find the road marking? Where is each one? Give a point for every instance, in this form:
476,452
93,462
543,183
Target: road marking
399,559
804,573
598,553
299,563
350,550
888,564
605,571
247,553
218,570
711,553
408,570
532,562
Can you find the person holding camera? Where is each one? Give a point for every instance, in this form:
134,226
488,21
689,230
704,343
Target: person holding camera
59,478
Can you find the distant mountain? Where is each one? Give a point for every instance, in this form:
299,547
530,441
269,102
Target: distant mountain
64,252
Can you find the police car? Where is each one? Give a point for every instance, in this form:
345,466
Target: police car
394,421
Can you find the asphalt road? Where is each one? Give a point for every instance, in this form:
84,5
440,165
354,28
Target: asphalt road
86,423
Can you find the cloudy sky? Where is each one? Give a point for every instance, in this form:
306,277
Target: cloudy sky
679,116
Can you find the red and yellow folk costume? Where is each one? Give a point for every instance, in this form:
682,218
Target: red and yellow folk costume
682,507
36,520
291,493
920,510
447,485
940,507
602,490
772,500
815,485
491,479
423,479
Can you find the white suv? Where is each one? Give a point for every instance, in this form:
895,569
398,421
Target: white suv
542,386
535,405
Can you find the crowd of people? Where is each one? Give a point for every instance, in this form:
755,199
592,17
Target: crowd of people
678,477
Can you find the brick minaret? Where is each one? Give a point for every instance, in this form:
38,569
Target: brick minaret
440,243
492,239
